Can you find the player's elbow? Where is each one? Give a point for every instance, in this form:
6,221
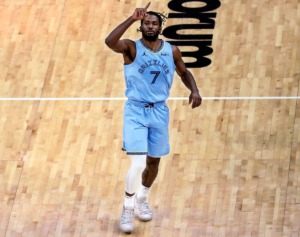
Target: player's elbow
108,42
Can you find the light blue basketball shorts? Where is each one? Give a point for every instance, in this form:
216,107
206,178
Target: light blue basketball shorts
145,128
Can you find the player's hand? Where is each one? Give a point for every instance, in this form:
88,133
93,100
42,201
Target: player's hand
195,99
140,13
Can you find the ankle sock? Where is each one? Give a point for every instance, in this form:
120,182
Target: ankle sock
129,201
142,193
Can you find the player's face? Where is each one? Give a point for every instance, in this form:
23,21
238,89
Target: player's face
150,28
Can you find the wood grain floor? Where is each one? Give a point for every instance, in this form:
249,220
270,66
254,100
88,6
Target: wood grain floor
234,166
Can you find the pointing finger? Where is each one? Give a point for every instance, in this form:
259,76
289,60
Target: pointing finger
147,5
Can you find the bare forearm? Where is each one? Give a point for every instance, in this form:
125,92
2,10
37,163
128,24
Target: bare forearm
117,33
113,39
189,81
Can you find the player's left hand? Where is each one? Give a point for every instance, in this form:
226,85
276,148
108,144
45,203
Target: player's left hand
195,99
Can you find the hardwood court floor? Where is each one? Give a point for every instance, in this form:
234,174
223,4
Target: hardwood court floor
234,166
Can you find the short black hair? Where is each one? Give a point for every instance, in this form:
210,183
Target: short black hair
161,17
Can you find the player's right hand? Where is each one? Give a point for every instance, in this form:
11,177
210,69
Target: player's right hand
140,13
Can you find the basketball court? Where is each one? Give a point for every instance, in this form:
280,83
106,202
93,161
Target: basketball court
234,165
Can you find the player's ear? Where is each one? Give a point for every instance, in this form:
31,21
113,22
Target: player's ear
160,30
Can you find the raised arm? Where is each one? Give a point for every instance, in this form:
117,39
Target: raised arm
187,78
113,39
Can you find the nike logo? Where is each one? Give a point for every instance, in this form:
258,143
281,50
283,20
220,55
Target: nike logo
164,54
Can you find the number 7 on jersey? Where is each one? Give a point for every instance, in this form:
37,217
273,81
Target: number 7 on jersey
156,74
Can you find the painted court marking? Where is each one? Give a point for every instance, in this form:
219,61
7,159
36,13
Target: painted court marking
171,98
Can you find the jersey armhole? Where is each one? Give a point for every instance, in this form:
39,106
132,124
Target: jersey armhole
129,55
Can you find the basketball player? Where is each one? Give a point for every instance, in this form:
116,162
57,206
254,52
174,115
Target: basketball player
149,66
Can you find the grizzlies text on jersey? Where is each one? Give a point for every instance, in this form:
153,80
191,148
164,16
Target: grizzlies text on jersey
150,76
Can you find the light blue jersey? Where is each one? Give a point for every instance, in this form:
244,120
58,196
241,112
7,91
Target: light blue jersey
150,76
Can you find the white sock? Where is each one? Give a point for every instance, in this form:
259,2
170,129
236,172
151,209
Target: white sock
129,201
142,193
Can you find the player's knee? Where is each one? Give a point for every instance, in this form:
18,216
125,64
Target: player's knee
138,164
139,168
152,164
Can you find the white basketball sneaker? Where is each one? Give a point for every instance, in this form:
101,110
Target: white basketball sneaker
142,209
127,220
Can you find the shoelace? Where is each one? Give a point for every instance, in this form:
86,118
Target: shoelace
144,207
127,216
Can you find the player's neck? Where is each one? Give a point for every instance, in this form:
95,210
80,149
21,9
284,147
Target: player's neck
153,45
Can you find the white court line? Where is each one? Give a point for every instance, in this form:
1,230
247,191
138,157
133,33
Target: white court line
170,98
